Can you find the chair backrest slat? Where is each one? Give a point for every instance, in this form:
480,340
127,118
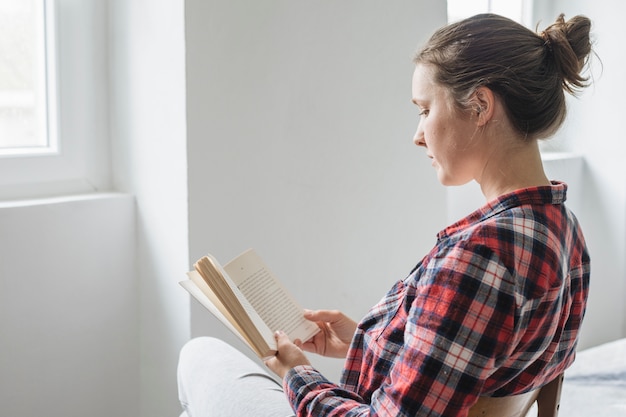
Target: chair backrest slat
547,397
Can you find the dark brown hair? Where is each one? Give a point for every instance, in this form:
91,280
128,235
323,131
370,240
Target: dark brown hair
529,71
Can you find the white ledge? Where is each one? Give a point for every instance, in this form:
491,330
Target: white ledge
62,199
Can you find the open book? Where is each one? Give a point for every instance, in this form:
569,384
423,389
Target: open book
249,300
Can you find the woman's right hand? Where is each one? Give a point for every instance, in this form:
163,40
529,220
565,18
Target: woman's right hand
335,336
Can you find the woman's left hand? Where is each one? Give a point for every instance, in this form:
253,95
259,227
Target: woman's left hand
288,356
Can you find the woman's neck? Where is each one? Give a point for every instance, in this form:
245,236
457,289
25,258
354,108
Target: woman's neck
513,165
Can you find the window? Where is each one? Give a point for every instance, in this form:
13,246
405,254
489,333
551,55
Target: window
54,127
27,78
518,10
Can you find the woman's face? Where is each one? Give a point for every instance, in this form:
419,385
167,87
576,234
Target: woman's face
445,132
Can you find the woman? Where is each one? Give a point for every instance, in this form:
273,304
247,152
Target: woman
496,306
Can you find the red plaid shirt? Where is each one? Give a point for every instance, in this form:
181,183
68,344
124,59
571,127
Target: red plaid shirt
494,309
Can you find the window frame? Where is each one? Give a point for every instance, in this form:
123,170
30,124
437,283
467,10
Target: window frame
79,71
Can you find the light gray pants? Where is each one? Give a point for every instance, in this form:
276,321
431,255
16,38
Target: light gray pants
215,379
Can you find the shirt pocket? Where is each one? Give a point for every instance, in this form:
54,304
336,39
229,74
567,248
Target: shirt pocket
385,322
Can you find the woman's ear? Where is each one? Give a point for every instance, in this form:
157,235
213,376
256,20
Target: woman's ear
483,103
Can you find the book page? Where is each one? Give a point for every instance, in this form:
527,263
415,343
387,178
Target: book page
235,303
269,297
213,305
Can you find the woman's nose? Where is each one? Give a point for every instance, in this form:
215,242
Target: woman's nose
418,138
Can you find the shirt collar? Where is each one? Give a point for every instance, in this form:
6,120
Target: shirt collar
548,194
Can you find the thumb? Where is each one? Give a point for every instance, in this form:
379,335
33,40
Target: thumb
329,316
281,338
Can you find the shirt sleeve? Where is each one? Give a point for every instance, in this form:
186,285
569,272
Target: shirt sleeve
460,323
311,394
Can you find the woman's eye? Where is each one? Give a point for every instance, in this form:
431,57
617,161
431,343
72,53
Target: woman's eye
424,112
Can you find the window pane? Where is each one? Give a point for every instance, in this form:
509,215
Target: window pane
460,9
509,8
23,98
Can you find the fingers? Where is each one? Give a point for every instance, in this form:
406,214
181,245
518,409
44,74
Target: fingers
312,346
274,365
288,356
330,316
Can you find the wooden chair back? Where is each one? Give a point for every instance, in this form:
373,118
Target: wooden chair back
548,398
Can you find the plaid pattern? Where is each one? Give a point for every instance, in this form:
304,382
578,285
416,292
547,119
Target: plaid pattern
494,309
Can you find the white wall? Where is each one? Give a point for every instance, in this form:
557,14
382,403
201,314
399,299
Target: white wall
300,133
69,317
147,106
594,129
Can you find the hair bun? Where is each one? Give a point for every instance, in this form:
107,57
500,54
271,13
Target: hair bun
570,45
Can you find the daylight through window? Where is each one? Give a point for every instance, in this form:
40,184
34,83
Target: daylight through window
518,10
27,83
